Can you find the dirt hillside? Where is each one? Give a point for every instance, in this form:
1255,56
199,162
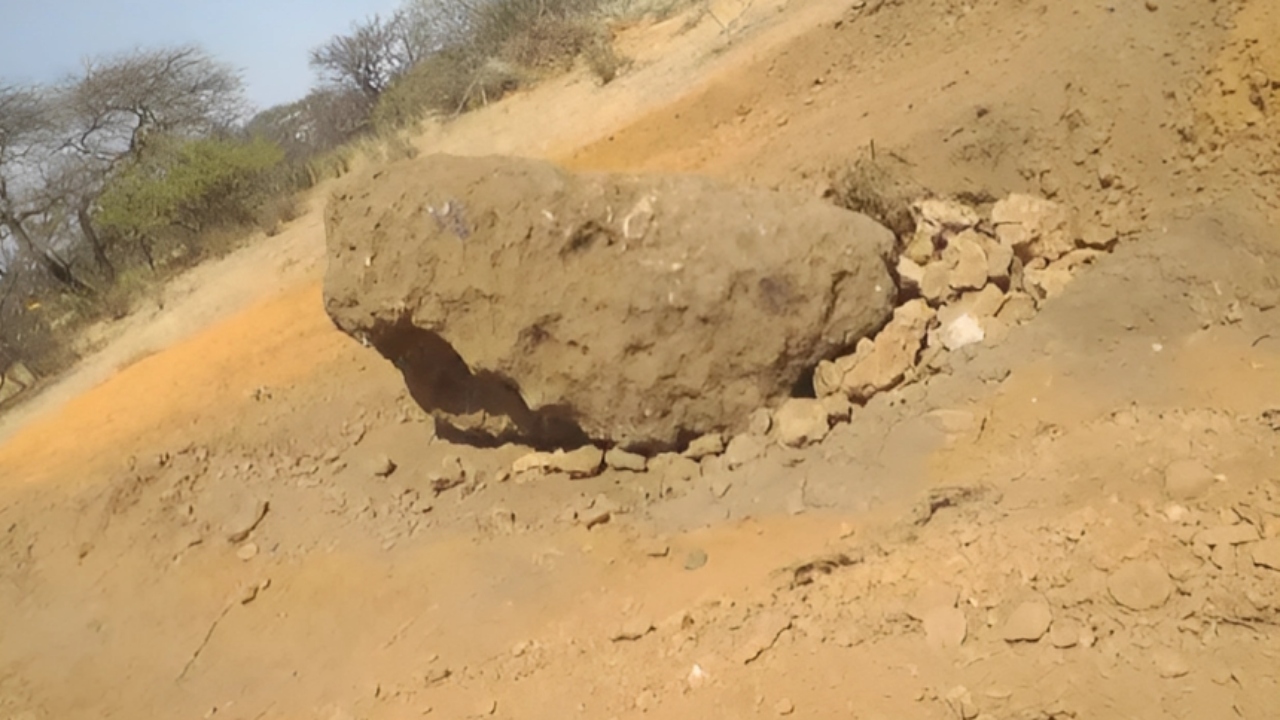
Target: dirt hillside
1076,518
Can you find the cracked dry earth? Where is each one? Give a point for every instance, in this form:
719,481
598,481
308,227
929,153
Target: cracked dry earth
1077,517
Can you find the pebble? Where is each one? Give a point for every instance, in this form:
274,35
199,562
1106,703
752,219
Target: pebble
239,529
1064,634
720,486
743,449
695,559
1140,585
784,707
247,551
633,629
1028,623
1171,663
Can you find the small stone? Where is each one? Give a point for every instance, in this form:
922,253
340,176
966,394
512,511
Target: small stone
968,261
743,449
695,559
1187,479
784,707
801,421
910,273
1029,622
710,444
1033,226
1140,585
383,466
1152,5
620,459
945,627
961,332
1018,307
646,700
1266,554
485,708
602,509
247,551
656,547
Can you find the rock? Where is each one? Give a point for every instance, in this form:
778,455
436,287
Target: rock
1033,227
1227,535
800,422
1018,307
910,274
742,450
1048,282
1187,479
247,551
619,459
485,708
999,258
935,284
695,559
656,547
967,262
838,408
247,520
674,468
1028,623
937,215
1266,553
878,364
382,466
585,462
1140,585
945,627
760,422
762,634
920,248
635,334
982,304
784,707
709,444
961,332
932,597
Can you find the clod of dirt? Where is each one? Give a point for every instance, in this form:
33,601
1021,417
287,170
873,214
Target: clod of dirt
1140,585
1033,227
620,459
1187,479
784,707
705,446
633,629
743,449
1028,623
1064,634
521,300
585,462
932,597
1267,554
878,364
801,421
1171,663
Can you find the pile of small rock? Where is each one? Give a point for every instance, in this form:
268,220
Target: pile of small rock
967,277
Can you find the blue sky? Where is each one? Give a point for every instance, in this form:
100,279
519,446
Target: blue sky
268,40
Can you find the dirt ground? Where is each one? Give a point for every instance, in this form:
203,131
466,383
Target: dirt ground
1079,521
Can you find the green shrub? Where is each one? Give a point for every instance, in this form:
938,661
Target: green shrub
190,184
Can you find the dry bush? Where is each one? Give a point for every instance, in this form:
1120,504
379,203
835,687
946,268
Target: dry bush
881,188
604,61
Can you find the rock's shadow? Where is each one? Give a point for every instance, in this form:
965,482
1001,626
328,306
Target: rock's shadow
482,409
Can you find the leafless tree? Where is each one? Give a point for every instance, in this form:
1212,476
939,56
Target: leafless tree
116,102
26,145
370,57
321,121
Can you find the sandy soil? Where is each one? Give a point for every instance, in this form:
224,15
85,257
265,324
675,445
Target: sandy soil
1081,521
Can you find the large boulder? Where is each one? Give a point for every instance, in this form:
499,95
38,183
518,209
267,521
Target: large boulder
520,300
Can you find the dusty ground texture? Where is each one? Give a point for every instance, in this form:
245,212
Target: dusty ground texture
1079,520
